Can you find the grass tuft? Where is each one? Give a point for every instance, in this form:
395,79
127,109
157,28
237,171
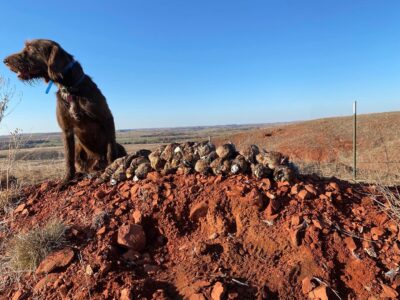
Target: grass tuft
25,251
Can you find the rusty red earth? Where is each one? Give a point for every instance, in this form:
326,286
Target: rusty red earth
211,237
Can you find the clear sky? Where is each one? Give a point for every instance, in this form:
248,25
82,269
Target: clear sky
172,63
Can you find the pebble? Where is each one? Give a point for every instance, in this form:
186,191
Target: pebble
132,236
58,259
218,291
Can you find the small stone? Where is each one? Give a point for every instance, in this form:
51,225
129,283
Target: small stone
157,163
89,270
48,279
240,165
137,216
321,293
317,223
250,153
303,195
270,195
198,211
294,189
392,226
55,260
334,186
202,166
388,292
260,171
45,186
311,189
226,151
126,294
20,208
218,291
213,236
349,241
101,231
142,170
153,176
296,220
205,148
307,285
17,295
132,236
377,232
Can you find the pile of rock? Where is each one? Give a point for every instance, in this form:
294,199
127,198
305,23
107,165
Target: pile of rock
202,157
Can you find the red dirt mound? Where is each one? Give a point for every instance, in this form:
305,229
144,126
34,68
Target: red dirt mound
210,237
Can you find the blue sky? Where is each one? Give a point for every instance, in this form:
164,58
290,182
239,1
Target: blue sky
172,63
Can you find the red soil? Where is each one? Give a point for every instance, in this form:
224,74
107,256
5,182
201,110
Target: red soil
215,238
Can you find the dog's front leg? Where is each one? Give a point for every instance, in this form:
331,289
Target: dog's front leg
111,152
111,144
69,150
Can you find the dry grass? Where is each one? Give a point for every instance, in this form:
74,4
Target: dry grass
9,198
25,251
388,200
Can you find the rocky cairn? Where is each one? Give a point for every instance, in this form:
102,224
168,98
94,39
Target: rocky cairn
204,158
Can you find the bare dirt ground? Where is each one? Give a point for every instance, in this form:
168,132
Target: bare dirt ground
218,237
210,237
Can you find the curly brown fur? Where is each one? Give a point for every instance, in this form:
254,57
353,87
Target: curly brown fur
82,111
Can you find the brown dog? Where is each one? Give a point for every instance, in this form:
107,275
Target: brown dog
82,110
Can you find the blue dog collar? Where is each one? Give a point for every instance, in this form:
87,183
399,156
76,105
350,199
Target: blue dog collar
67,68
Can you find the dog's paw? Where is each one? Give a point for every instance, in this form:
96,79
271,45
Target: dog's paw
69,180
63,184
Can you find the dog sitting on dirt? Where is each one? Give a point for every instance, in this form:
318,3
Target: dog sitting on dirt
82,110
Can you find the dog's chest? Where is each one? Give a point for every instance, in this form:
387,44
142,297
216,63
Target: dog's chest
72,105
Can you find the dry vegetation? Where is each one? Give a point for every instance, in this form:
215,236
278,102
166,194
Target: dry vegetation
23,252
9,186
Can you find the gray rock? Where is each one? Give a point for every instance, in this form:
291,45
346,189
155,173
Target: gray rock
226,151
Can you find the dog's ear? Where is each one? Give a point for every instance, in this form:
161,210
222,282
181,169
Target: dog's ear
57,61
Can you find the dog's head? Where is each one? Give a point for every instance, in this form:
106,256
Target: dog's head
39,59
